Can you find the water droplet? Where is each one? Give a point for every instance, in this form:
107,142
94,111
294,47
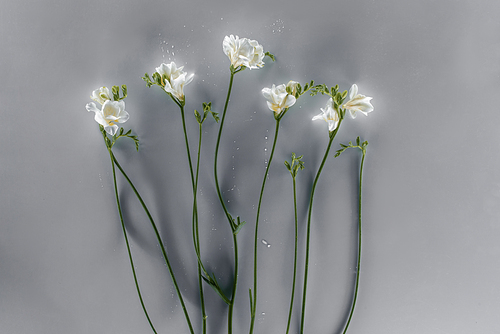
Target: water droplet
265,149
266,243
265,137
263,313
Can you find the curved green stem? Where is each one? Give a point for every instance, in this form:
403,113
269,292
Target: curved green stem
235,283
254,300
196,236
228,216
127,243
187,147
194,184
160,242
295,254
219,194
358,268
306,268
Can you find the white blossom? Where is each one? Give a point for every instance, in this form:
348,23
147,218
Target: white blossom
101,95
278,99
111,113
330,115
292,86
243,52
357,102
174,79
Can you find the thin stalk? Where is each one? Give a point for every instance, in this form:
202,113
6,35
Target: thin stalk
194,184
306,268
187,146
359,243
128,245
295,254
196,236
254,300
235,283
160,242
217,150
228,216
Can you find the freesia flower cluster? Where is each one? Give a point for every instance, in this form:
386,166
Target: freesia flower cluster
242,53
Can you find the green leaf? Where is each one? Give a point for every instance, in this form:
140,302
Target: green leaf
147,79
198,116
127,134
239,225
157,78
212,281
270,55
288,165
116,93
215,116
124,91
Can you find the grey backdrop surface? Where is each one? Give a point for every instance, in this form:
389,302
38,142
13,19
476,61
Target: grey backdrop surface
431,182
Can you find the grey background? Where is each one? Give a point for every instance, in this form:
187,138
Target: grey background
431,183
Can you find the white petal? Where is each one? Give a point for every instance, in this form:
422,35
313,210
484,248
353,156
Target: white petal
111,129
91,107
320,116
189,79
289,101
267,93
353,91
123,117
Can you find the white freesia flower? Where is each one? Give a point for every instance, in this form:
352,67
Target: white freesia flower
330,115
292,86
243,52
101,95
357,102
278,99
174,79
112,112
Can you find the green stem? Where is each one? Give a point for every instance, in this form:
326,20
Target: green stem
219,194
196,236
127,243
194,184
160,242
306,268
295,254
187,146
358,268
228,216
235,283
254,300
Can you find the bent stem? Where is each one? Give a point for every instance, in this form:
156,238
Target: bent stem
228,216
196,236
295,255
253,301
308,237
127,243
194,184
160,242
358,268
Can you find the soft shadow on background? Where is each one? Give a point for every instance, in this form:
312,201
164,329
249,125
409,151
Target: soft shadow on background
431,182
